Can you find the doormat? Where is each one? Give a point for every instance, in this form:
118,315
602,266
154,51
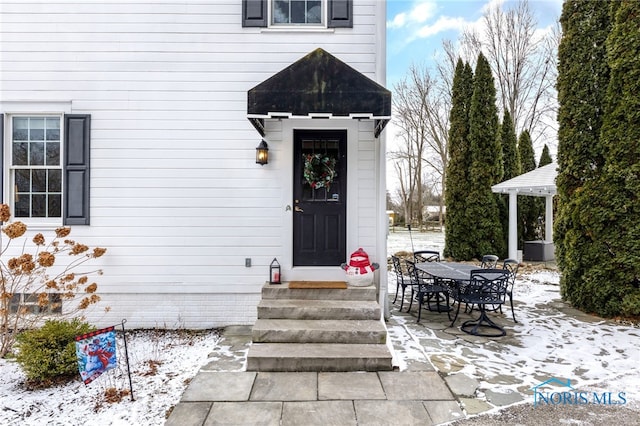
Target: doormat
318,284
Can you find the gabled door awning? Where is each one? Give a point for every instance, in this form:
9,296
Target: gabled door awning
319,85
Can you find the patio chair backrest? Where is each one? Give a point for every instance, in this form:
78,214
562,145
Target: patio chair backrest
489,261
512,266
486,286
422,256
397,268
412,272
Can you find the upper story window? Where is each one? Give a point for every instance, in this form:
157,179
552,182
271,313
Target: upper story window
297,13
36,167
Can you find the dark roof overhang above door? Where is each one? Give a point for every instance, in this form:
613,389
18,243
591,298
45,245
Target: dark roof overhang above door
319,85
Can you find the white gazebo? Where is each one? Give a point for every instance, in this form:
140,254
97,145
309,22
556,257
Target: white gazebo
540,182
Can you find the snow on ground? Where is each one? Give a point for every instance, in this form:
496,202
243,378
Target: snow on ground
551,341
162,363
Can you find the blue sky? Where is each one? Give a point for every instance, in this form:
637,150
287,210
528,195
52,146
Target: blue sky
416,28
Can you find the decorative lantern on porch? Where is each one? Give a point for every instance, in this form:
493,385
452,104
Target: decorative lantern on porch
262,153
359,270
274,272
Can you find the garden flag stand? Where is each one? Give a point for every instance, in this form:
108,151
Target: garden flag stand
96,353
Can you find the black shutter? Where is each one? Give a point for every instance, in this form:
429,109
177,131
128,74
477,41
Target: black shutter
254,13
77,131
1,157
340,14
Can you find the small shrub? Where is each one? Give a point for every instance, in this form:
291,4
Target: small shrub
47,355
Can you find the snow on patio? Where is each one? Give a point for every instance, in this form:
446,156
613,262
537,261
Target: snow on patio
551,339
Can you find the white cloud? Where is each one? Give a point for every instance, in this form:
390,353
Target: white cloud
444,23
398,21
420,12
423,11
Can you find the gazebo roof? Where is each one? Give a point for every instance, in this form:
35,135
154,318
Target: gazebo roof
539,182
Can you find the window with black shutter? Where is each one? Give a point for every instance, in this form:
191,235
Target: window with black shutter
255,13
44,171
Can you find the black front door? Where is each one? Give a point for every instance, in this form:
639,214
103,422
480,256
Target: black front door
319,197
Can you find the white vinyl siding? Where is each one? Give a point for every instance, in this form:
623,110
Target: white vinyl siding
176,196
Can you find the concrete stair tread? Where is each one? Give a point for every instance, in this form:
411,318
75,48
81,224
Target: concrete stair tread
319,331
322,324
318,357
323,350
318,309
282,291
363,304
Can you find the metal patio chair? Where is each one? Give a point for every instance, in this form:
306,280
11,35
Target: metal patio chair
402,279
427,290
512,266
485,287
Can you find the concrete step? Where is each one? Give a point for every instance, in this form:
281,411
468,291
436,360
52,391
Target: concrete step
318,309
319,331
318,357
282,291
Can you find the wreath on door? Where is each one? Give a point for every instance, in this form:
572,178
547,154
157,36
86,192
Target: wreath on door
319,170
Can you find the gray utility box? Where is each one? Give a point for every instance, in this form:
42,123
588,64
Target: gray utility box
538,251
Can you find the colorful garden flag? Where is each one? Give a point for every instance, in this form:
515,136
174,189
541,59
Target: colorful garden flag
96,352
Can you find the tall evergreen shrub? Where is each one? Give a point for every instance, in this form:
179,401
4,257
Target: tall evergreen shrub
457,174
510,153
529,208
545,157
482,215
583,76
608,205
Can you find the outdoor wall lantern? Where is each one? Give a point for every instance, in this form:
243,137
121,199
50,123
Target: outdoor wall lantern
274,272
262,153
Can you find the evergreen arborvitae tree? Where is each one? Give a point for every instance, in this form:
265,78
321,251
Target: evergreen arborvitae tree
608,206
545,157
529,208
457,173
511,167
583,77
484,229
527,155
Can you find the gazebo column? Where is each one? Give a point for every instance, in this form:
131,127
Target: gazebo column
513,224
548,222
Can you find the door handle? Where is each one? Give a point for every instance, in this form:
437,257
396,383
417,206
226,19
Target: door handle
298,209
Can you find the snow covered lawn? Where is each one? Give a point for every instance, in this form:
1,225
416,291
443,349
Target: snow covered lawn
162,364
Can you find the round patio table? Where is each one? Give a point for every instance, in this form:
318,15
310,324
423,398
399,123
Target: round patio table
454,273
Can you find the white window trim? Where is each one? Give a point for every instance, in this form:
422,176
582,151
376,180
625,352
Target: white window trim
34,223
28,107
271,27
